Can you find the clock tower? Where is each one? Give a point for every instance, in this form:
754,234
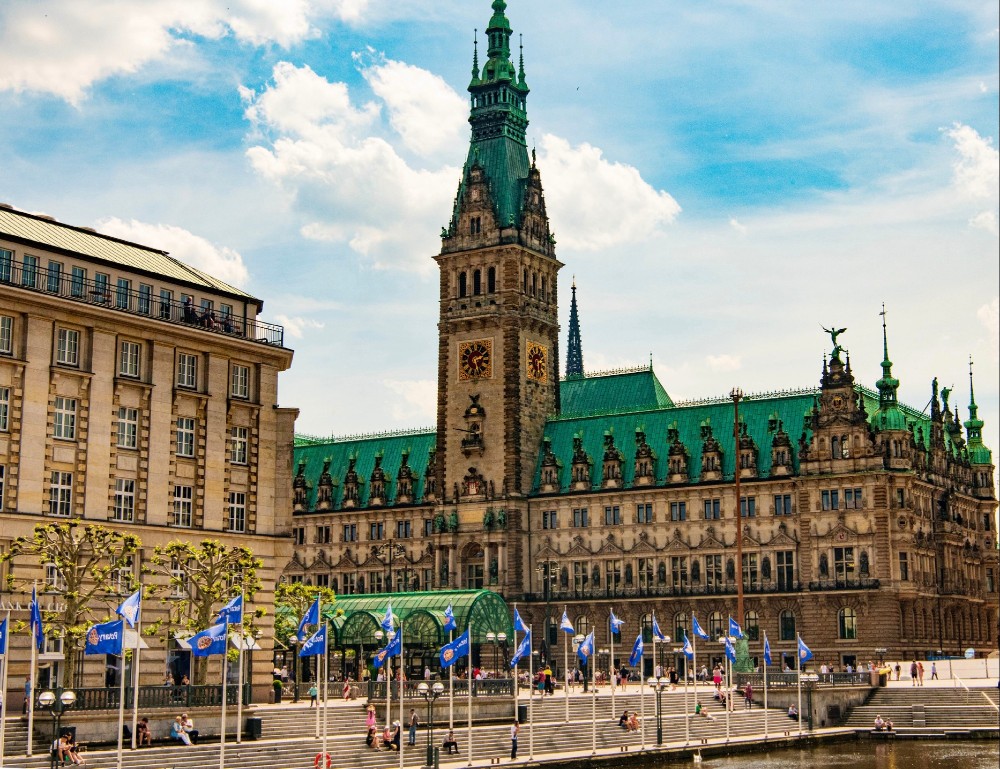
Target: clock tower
498,329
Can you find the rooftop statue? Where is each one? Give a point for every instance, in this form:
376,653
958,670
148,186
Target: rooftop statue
834,333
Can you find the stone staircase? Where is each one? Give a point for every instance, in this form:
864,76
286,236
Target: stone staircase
928,710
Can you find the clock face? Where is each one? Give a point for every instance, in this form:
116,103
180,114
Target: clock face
475,359
537,362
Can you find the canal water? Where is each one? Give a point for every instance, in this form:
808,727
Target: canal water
901,754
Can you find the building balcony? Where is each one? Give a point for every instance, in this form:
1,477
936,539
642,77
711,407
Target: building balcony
663,591
120,300
847,583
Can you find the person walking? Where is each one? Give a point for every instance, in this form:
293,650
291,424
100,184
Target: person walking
514,729
313,694
414,722
934,675
748,696
920,672
898,670
913,673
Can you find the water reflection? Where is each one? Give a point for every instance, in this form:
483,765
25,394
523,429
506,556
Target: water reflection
902,754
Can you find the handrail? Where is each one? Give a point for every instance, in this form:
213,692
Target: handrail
996,707
962,683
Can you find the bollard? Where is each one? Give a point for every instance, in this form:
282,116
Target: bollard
437,758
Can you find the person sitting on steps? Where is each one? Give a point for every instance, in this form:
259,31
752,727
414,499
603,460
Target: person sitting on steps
450,744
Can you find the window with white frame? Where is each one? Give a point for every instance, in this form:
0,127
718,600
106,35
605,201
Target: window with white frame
6,334
176,578
185,436
183,506
65,418
237,511
128,428
129,359
239,444
3,478
6,259
239,381
4,409
61,494
124,500
123,575
68,347
54,578
187,370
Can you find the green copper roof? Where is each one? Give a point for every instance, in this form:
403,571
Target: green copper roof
314,452
612,392
978,453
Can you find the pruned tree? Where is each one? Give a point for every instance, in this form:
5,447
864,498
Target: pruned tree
291,600
88,569
198,579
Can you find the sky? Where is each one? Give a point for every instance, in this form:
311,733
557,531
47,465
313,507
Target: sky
723,177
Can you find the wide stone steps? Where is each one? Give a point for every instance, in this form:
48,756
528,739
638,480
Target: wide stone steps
934,709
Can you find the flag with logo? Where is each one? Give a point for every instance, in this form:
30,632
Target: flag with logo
586,648
730,650
106,638
449,619
387,619
657,633
734,628
232,612
565,625
636,656
35,623
209,642
697,629
3,637
311,617
391,649
804,653
129,609
454,651
523,649
519,626
316,645
616,624
688,649
767,651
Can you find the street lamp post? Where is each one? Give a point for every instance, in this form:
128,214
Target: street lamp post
577,640
546,575
56,704
430,695
658,685
296,642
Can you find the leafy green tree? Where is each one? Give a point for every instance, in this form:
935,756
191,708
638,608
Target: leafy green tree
198,579
291,600
91,570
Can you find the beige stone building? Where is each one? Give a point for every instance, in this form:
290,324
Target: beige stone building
867,524
142,394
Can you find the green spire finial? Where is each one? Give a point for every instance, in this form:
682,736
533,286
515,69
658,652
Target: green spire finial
978,453
887,385
475,55
520,71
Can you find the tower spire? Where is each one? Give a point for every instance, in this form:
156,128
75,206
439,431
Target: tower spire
475,56
979,454
574,348
888,385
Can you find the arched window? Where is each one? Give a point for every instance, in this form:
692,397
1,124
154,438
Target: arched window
491,280
751,625
543,288
835,447
680,625
715,624
477,282
582,625
646,626
786,626
463,285
524,286
847,624
534,283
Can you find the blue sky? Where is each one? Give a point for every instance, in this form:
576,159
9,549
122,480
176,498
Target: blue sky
722,177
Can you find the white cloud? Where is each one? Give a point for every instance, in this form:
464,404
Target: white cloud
417,401
736,225
62,47
977,173
989,316
598,203
985,220
722,363
218,261
296,327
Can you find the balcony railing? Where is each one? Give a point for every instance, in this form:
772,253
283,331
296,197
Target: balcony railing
488,687
159,697
141,303
665,591
850,583
778,680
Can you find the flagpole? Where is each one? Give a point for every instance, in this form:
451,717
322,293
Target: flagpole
765,694
326,682
531,701
798,669
611,664
694,660
468,666
32,676
222,729
729,696
451,689
3,687
687,713
121,702
135,669
239,674
402,683
642,698
316,682
566,666
517,664
593,697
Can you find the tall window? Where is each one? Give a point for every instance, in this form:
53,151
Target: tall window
678,511
830,499
786,626
679,571
6,259
68,347
612,577
128,428
29,272
853,499
782,504
847,624
124,500
185,436
77,280
350,532
61,494
54,578
187,370
65,418
237,511
713,509
183,506
123,575
6,335
612,515
404,529
785,566
750,571
145,298
128,364
751,625
376,531
715,624
55,277
3,478
843,563
549,519
123,293
239,445
581,518
644,513
904,567
166,304
748,507
177,575
713,573
4,409
646,568
239,381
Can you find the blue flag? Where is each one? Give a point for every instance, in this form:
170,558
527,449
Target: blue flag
391,649
616,624
636,656
767,651
3,637
565,625
697,629
107,638
129,610
387,619
232,612
523,649
657,633
519,626
35,623
311,617
688,649
804,653
454,651
449,620
730,651
734,629
315,645
586,648
209,642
